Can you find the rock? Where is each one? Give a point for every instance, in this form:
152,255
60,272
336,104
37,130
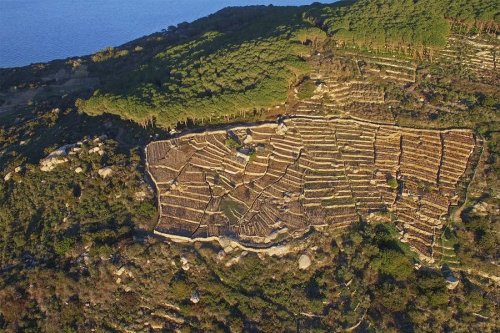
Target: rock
120,271
61,151
55,158
140,195
304,262
105,172
195,297
248,140
233,261
94,150
49,164
281,129
79,170
185,264
481,209
7,176
221,255
451,282
260,148
243,156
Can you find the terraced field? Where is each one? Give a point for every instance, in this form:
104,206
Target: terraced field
260,185
352,84
478,54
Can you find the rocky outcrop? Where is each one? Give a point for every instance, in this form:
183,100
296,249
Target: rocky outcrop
55,158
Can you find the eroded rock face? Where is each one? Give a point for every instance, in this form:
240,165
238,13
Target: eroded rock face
308,172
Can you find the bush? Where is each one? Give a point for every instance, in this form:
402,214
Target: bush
65,245
306,89
393,183
394,264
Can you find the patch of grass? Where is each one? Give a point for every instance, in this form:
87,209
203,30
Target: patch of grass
393,183
232,143
306,89
232,210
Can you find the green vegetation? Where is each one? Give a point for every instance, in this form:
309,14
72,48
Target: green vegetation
393,263
306,89
65,236
393,183
60,211
251,64
108,53
398,25
232,143
232,210
342,288
477,238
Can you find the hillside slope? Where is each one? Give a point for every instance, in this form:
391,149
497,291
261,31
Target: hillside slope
376,122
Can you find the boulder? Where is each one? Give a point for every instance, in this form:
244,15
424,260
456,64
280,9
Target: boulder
79,170
185,264
120,271
140,195
49,164
8,176
451,282
243,156
55,158
304,262
248,139
195,297
105,172
221,255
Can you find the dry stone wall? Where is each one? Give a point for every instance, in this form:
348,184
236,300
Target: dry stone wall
263,184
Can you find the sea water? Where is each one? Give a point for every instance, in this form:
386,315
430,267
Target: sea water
42,30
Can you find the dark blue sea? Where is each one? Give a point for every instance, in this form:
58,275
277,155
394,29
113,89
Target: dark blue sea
41,30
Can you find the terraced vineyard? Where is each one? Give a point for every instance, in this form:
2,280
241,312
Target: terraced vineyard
261,184
477,54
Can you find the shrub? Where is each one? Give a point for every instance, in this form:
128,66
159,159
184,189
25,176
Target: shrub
393,183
